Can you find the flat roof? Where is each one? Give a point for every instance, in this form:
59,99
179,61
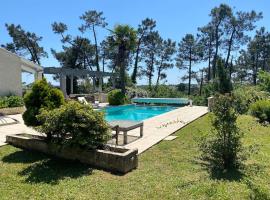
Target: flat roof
24,61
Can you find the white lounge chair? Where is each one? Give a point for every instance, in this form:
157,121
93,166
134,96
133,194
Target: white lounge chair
82,100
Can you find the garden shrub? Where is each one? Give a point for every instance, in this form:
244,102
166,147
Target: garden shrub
74,124
261,110
43,96
15,101
199,100
3,102
116,97
165,91
246,95
11,101
264,81
132,92
223,147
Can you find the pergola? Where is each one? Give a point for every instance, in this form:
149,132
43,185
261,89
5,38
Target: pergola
71,73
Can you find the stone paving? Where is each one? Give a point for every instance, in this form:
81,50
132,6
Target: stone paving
14,129
155,129
158,128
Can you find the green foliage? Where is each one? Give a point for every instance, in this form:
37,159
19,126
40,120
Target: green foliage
3,102
43,96
116,97
74,124
25,43
246,95
124,39
136,92
165,91
198,100
261,110
224,84
264,81
182,176
11,101
223,149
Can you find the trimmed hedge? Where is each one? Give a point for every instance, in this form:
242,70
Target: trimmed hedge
11,102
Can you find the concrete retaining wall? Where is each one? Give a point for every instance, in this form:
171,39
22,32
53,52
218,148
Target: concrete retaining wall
115,159
12,111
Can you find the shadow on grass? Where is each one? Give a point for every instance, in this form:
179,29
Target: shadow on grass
46,169
229,175
24,157
219,174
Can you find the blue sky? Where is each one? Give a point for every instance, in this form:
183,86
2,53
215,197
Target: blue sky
174,18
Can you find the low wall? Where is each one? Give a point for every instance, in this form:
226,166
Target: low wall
115,159
12,111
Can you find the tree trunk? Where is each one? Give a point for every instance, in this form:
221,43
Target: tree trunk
209,62
189,73
256,69
229,49
96,49
159,72
216,51
231,69
135,70
151,71
121,64
201,84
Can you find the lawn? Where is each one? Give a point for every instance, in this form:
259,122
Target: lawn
169,170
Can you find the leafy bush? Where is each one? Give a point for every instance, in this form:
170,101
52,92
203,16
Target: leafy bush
11,101
3,102
261,110
264,81
43,96
165,91
15,101
199,100
246,95
115,97
223,148
132,92
74,124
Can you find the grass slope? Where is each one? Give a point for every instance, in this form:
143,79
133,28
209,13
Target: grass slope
169,170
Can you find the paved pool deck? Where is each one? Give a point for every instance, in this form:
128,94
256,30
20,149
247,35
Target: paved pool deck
158,128
155,129
16,128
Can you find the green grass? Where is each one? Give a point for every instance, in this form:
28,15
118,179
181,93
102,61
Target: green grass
169,170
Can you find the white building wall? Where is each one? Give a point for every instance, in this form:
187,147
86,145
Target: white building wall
10,74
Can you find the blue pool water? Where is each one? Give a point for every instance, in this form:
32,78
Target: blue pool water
135,112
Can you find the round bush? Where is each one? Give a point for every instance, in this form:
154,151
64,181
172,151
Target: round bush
115,97
43,96
246,95
261,110
74,124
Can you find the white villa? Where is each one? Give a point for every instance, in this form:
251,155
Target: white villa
11,68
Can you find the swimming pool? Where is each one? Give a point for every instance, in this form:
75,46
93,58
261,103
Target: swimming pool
135,112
